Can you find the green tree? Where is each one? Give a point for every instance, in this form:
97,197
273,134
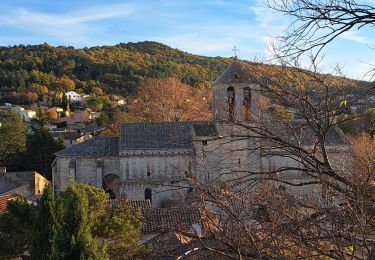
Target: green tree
123,229
45,227
84,208
15,228
12,138
75,225
40,150
95,104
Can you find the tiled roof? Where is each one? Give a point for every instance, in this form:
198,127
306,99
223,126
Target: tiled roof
170,219
149,136
4,200
204,129
300,133
68,135
132,204
235,73
98,146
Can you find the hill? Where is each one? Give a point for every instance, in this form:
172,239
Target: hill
118,69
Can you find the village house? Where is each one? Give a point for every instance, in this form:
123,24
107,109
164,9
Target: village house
73,96
70,138
25,114
153,160
29,184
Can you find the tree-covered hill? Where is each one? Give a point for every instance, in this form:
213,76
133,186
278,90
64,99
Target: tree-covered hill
118,69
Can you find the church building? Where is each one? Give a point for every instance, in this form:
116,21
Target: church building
153,160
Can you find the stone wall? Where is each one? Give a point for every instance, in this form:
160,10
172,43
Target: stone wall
164,174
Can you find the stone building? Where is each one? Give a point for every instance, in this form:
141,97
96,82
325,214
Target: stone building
152,160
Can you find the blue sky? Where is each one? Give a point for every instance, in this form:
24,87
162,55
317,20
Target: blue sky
204,27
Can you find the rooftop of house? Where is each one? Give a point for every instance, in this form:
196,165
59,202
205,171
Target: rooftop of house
12,180
300,133
4,201
69,135
131,204
99,146
171,219
149,136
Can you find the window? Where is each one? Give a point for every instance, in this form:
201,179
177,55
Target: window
246,104
148,194
204,142
148,173
231,98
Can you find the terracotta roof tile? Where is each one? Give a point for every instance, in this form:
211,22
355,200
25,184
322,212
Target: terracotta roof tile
170,219
4,200
132,204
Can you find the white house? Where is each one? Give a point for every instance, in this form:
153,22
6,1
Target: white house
26,114
73,96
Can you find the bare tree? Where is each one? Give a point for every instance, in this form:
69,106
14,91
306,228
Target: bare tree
305,197
318,22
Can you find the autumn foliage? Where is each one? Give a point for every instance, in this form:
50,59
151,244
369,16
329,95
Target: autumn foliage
166,100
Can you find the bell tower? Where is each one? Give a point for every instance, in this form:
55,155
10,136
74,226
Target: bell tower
235,96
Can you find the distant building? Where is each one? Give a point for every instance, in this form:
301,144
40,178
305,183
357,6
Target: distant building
71,137
73,96
29,184
26,114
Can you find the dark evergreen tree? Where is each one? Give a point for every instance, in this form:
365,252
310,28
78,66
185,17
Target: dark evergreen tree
12,139
45,228
15,228
40,150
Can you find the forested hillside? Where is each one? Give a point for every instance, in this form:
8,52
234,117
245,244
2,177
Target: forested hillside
116,69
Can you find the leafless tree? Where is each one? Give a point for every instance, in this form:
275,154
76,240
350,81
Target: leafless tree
313,201
318,22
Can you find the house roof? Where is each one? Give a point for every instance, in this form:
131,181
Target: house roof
131,204
98,146
205,129
170,219
13,180
4,201
68,135
235,73
300,133
149,136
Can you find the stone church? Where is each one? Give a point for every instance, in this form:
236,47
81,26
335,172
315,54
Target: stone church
152,160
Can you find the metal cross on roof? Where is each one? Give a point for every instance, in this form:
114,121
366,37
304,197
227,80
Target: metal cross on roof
235,50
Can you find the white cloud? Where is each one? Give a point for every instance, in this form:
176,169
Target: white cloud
361,71
353,36
69,28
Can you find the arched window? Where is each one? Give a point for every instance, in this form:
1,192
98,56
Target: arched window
231,98
246,104
148,194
